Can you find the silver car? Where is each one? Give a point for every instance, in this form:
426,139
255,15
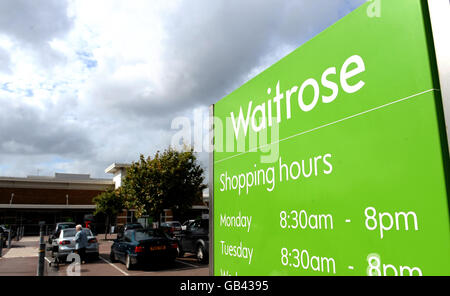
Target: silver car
65,244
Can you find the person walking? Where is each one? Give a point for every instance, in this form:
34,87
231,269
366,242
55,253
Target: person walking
81,242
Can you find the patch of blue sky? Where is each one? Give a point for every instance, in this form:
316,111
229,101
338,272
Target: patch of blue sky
5,87
344,9
84,54
90,63
87,58
4,166
4,169
58,159
350,5
54,163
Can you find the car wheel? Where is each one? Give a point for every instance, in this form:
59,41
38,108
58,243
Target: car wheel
201,254
128,263
112,257
180,252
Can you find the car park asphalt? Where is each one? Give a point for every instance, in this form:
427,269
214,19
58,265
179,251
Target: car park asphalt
21,259
26,261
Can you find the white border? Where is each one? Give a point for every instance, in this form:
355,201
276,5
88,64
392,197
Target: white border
440,24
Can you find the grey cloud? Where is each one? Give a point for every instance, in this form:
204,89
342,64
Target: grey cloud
33,21
33,24
29,131
5,62
212,46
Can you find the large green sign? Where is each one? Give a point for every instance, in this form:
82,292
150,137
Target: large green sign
333,161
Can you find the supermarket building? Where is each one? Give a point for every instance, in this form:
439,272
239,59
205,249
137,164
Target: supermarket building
62,197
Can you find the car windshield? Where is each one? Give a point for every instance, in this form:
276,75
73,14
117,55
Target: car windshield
148,234
72,232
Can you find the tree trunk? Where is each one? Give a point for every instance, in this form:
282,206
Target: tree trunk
107,227
157,219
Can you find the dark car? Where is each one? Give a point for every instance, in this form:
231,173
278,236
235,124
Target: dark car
139,246
5,230
4,233
122,228
130,226
195,239
186,224
172,228
57,231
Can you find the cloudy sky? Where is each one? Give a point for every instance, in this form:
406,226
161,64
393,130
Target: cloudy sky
85,83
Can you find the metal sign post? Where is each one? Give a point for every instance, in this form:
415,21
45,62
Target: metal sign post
9,238
40,271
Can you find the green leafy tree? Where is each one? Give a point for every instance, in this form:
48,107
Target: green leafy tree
170,180
110,203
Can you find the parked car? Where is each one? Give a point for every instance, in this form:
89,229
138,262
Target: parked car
139,246
64,244
195,239
130,226
171,227
57,231
120,229
186,224
4,233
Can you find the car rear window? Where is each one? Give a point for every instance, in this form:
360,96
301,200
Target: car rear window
148,234
134,226
72,232
69,232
